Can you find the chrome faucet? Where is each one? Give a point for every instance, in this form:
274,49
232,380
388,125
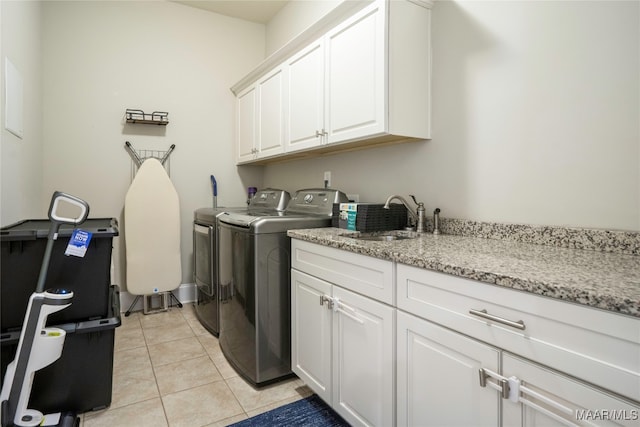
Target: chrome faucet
418,216
436,221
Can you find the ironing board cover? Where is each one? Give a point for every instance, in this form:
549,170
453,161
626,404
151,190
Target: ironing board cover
152,231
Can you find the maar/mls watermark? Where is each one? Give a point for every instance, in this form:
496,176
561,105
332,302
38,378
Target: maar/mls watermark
607,414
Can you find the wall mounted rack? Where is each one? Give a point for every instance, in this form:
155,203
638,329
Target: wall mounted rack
139,156
138,116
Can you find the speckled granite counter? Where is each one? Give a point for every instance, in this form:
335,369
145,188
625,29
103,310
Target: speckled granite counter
604,279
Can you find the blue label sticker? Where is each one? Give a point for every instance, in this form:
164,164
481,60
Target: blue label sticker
78,243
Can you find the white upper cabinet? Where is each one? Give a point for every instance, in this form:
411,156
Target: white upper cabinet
260,112
365,81
271,112
355,77
306,97
246,124
336,84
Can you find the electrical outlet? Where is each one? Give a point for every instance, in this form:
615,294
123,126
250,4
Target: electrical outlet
327,179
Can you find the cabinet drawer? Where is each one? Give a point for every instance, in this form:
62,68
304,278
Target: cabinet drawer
597,346
363,274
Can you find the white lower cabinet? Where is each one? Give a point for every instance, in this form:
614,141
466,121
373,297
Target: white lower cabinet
311,333
363,379
343,343
388,344
438,381
456,341
342,349
448,379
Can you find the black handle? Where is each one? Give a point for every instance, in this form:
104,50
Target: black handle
56,222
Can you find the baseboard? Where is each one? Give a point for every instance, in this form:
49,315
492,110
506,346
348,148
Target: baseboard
186,293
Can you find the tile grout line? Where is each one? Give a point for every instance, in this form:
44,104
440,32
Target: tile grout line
244,412
155,377
203,339
222,379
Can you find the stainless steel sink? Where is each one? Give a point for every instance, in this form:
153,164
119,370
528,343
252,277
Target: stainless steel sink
383,236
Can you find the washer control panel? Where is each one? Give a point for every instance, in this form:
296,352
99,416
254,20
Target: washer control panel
316,201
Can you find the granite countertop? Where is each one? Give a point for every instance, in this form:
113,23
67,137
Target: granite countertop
601,279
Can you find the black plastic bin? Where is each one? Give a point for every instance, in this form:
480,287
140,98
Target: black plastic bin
22,248
80,380
373,217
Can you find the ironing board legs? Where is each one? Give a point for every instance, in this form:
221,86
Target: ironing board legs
167,298
128,312
174,298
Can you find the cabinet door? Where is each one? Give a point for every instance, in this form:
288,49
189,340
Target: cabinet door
355,74
438,381
306,98
271,113
246,124
311,333
363,331
558,400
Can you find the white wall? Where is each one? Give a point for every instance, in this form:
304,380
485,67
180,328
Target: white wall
295,17
103,57
21,159
536,119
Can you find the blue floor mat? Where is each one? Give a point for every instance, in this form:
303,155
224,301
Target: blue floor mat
311,412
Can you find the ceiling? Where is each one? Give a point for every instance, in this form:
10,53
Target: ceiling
260,11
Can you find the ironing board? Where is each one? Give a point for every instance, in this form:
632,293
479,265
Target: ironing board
152,232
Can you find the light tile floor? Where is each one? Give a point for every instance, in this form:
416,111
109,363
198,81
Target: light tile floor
168,370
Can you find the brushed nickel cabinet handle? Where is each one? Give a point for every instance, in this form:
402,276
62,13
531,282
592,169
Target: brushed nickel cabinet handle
501,383
483,313
328,300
